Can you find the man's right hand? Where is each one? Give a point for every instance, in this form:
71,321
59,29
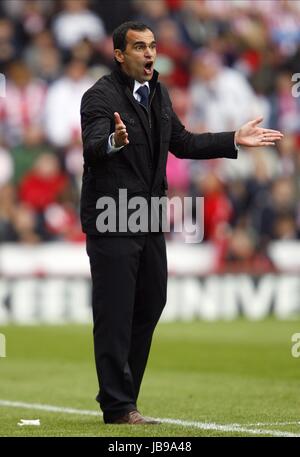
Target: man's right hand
120,134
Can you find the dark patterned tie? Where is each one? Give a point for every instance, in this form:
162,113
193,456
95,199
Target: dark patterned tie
143,91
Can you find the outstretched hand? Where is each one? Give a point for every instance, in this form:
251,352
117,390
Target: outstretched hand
120,134
252,135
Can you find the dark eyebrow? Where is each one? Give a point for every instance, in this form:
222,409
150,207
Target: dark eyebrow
143,43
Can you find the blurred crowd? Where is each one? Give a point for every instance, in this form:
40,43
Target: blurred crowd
224,62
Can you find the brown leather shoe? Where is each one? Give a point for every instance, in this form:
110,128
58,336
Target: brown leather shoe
134,418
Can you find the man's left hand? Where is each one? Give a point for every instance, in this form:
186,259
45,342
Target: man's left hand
252,135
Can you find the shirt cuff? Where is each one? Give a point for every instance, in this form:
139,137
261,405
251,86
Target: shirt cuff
110,147
237,147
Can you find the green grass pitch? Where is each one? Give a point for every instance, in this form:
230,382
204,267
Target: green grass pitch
238,374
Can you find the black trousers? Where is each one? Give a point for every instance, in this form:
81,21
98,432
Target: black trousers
129,279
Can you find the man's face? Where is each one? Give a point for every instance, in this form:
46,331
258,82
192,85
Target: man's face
139,56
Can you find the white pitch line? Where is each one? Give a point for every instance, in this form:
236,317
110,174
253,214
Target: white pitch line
49,408
272,424
227,428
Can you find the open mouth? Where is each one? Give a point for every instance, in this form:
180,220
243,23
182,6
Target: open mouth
148,67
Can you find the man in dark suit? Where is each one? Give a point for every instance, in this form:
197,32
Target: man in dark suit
128,127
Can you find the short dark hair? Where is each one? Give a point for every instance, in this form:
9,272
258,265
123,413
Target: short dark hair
119,34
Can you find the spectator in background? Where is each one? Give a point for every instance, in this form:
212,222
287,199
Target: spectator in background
240,254
34,17
97,56
8,45
24,155
42,186
289,151
29,18
265,171
62,107
239,199
217,206
199,24
75,22
61,217
276,207
171,52
43,57
18,222
284,25
285,227
24,103
150,12
248,193
18,10
122,10
219,95
25,225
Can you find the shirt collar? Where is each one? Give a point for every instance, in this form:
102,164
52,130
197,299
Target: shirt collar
137,85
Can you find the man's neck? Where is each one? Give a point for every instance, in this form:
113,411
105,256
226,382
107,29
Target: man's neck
129,81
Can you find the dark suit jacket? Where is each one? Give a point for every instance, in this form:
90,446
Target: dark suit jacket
137,167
